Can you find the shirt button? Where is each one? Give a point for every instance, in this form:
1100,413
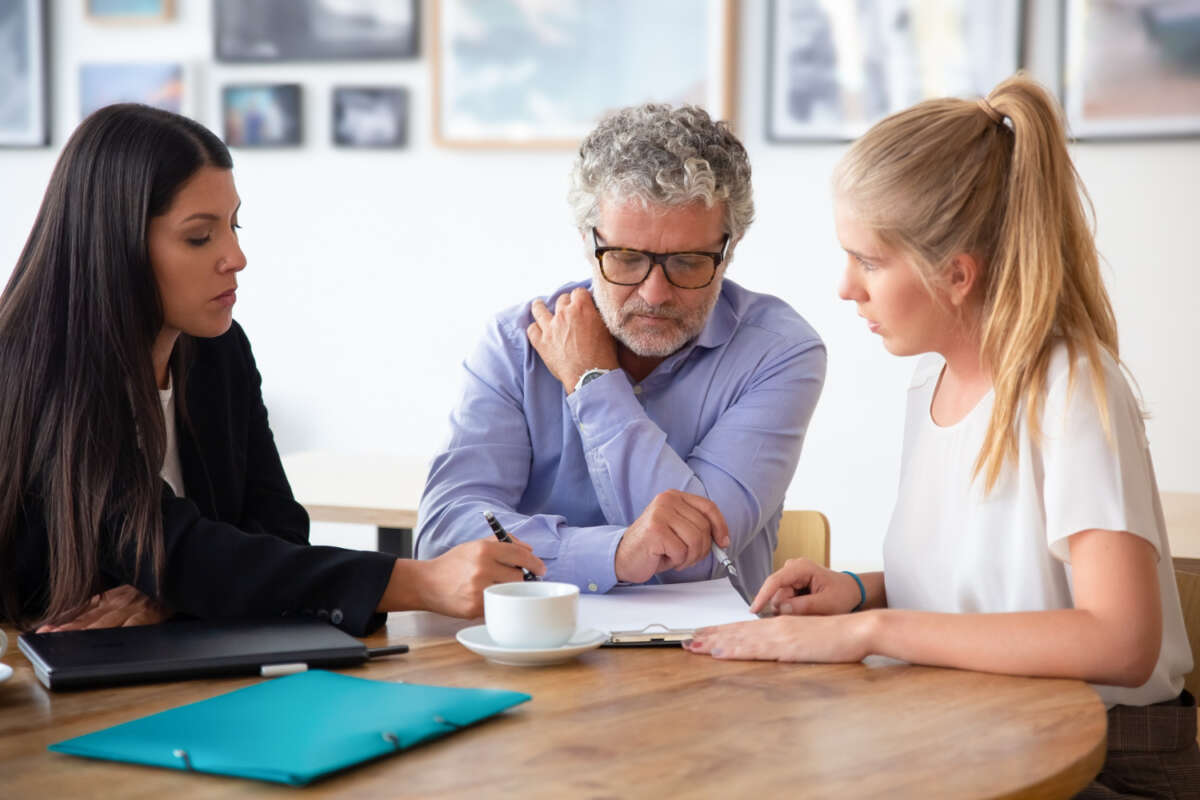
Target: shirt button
592,587
637,389
337,616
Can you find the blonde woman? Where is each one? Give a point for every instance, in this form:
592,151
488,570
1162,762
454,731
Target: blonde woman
1027,536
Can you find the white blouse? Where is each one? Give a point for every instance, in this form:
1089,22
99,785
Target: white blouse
950,548
172,470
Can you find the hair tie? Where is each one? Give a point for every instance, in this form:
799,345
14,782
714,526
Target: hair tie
994,115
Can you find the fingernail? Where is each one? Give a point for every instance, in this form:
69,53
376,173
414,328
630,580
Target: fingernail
716,653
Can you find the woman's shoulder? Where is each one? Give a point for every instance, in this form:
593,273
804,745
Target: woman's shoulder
224,359
929,367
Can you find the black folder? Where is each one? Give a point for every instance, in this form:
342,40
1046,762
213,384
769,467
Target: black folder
187,649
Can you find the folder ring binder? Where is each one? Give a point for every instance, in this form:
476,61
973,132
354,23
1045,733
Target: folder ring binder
391,739
443,721
180,753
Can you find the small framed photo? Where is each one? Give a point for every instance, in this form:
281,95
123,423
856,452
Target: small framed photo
508,73
370,116
120,11
315,30
1132,69
836,68
159,85
24,92
262,115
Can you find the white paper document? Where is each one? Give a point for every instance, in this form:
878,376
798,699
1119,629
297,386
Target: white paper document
678,606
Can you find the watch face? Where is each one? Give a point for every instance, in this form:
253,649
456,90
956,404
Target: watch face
591,375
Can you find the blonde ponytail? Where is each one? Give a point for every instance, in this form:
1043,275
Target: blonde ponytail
993,178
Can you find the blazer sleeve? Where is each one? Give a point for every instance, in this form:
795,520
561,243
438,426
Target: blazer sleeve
213,570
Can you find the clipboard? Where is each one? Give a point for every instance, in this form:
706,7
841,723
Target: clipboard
653,635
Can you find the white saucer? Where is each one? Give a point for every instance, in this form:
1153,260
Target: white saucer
476,640
5,672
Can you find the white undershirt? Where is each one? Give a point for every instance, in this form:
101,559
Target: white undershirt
951,548
172,470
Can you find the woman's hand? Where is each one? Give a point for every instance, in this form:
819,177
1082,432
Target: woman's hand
120,607
453,583
802,586
840,639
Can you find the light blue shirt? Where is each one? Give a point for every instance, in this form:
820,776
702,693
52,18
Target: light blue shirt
723,417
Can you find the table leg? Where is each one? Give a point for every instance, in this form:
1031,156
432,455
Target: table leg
397,541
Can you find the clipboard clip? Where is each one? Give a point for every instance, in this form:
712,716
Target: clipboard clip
653,635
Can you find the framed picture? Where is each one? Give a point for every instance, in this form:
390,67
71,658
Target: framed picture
370,116
262,115
24,97
315,30
130,10
513,73
158,85
835,68
1131,69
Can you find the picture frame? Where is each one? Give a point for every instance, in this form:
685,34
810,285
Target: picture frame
311,30
1131,70
129,11
262,115
514,75
24,75
370,116
834,69
159,84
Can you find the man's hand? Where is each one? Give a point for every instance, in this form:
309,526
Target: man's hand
675,531
120,607
573,339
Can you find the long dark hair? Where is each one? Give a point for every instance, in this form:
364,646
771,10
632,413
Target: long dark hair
80,419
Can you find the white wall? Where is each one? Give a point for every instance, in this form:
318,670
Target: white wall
371,272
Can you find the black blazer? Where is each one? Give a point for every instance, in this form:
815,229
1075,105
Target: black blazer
236,545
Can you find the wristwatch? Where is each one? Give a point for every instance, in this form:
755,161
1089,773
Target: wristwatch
589,376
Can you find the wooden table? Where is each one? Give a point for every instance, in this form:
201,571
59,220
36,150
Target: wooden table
623,723
365,488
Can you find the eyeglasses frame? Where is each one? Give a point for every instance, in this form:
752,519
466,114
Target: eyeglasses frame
661,260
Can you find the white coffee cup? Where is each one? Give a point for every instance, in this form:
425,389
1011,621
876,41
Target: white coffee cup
531,615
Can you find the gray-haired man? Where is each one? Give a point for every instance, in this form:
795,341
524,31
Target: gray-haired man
625,424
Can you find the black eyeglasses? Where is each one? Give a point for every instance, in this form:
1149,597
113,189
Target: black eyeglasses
626,267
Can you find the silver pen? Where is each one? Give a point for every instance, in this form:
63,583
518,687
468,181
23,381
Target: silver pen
723,559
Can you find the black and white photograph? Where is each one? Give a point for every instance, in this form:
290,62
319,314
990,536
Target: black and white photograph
370,116
836,67
23,82
315,30
263,115
1132,68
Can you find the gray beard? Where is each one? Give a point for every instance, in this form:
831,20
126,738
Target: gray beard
649,345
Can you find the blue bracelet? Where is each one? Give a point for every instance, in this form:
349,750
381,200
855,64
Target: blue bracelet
862,590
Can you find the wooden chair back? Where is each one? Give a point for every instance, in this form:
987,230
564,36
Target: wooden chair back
1189,598
802,534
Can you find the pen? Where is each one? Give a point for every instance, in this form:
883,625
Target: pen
503,536
723,559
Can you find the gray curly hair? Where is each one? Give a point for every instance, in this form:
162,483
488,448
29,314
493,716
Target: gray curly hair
664,156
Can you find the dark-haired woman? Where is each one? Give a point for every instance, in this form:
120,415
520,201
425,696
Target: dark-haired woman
140,476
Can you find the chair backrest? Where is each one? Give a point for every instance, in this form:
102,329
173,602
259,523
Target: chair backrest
802,534
1189,599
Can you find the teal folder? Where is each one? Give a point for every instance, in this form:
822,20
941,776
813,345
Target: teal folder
294,729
